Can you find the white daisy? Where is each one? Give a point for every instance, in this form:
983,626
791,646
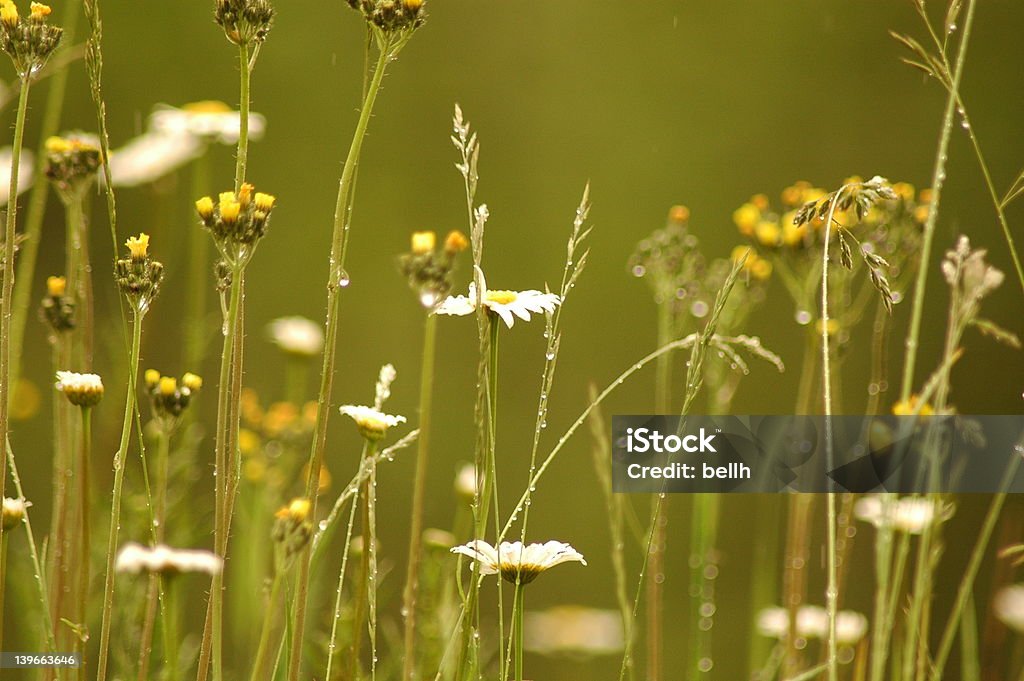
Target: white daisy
812,622
82,390
25,175
372,424
297,336
911,515
13,512
207,120
574,630
465,482
1009,606
151,156
513,560
503,303
135,558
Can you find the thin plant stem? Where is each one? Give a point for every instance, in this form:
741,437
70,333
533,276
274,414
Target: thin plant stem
197,326
883,579
518,612
938,179
333,646
84,508
115,508
159,523
268,624
29,252
367,579
337,279
418,496
242,157
5,301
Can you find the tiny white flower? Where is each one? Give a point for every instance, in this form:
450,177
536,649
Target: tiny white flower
372,424
513,560
82,390
151,156
14,511
25,175
911,515
297,336
506,304
134,558
207,120
812,622
465,482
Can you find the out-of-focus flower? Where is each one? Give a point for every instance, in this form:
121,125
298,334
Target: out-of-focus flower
1009,606
206,120
466,483
909,406
25,174
151,156
14,511
514,561
909,514
573,630
372,424
812,622
82,390
135,558
297,336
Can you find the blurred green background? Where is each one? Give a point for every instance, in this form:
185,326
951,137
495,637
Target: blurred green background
655,103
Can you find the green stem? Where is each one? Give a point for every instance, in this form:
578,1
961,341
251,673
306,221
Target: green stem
154,592
519,609
84,509
115,509
5,301
337,279
341,583
883,579
170,629
366,584
197,324
418,495
268,624
938,179
243,115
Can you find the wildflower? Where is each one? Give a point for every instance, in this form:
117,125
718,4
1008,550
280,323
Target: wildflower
71,164
746,218
909,407
25,174
58,308
758,267
167,397
423,242
81,390
909,514
1008,604
297,336
455,242
206,121
391,16
429,272
244,21
237,221
768,233
29,41
516,562
14,511
503,303
372,423
151,156
139,276
812,622
574,630
292,531
134,558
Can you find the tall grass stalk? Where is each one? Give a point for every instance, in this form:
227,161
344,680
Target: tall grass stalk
115,508
938,180
84,510
337,279
5,301
333,645
367,578
409,662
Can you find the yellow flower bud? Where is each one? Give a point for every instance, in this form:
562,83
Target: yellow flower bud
746,218
191,381
152,378
768,233
55,286
168,384
455,242
413,5
230,210
297,510
138,246
206,106
679,214
245,194
57,145
9,15
204,207
423,242
40,11
265,202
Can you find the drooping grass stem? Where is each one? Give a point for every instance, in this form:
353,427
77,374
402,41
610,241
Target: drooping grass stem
337,279
418,498
115,508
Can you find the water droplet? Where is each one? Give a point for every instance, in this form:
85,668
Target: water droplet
639,270
549,356
705,664
343,279
803,317
699,309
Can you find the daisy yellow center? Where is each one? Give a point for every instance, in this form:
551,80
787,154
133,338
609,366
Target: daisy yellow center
207,107
501,297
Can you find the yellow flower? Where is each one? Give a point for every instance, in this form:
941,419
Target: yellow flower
265,202
455,242
55,286
768,233
679,214
905,190
297,510
40,11
423,242
9,15
248,442
229,210
412,5
191,381
909,406
761,269
138,246
833,327
245,194
152,378
168,385
207,106
746,218
204,207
